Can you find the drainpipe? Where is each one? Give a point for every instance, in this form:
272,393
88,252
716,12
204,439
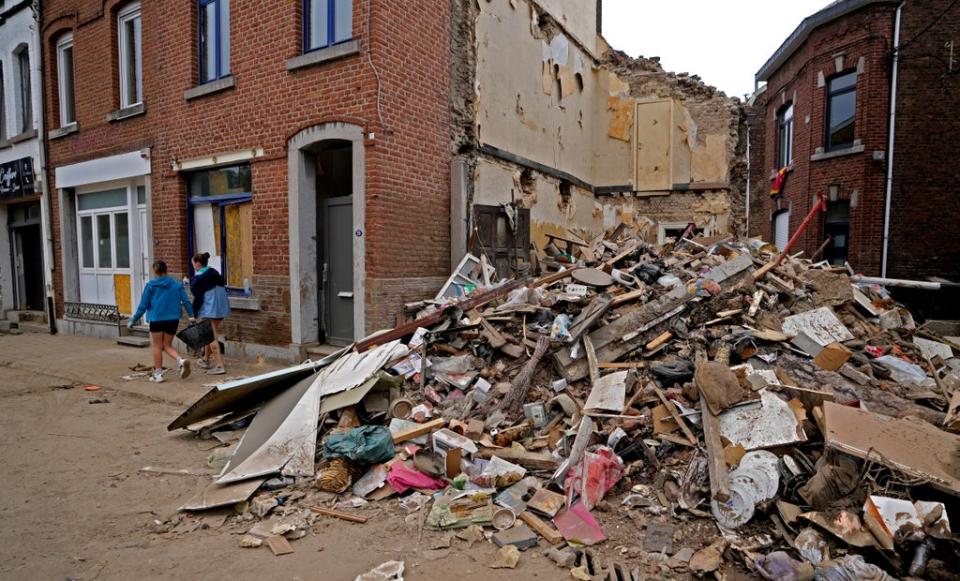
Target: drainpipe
747,233
890,141
46,204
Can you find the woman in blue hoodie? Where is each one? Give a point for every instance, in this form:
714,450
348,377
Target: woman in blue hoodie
162,299
210,302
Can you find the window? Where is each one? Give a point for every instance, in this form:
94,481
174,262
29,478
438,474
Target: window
326,22
104,230
24,93
214,50
131,67
781,229
841,111
221,221
785,136
65,79
836,225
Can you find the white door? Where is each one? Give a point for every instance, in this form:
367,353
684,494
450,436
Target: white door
781,229
104,239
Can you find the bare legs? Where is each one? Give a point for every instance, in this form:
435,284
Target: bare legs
214,348
162,343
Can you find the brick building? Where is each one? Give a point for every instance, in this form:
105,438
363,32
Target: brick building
25,256
824,118
307,152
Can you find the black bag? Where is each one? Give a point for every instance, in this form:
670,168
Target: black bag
198,335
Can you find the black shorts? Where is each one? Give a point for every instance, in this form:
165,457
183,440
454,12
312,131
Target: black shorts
168,327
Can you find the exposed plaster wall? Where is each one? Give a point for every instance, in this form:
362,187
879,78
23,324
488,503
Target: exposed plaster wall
537,90
578,17
530,102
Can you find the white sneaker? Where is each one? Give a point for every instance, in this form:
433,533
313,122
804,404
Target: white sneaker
183,365
203,363
156,376
218,370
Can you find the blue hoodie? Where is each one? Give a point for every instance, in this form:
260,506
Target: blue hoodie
162,299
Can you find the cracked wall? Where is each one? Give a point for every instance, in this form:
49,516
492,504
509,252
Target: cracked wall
604,138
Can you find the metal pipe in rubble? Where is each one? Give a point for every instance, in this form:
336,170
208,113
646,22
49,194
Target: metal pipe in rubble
820,205
899,282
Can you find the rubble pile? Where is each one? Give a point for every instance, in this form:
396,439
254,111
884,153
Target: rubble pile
699,408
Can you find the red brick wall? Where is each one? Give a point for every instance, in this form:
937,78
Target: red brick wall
925,213
865,34
407,163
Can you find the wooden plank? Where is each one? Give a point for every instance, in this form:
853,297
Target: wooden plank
591,359
529,460
663,338
122,293
546,531
667,403
589,315
492,335
339,514
610,342
763,270
552,278
624,365
716,462
418,431
410,328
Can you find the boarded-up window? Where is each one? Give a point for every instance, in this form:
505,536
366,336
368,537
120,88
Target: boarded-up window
505,242
221,211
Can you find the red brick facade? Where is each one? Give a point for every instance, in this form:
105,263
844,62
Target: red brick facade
860,40
404,116
925,216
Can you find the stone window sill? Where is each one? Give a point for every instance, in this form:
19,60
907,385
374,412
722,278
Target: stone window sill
244,303
5,143
127,112
26,135
820,156
63,131
209,88
324,55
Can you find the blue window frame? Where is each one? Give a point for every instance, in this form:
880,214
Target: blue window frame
213,39
326,22
212,196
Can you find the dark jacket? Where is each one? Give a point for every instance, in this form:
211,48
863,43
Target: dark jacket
207,280
162,299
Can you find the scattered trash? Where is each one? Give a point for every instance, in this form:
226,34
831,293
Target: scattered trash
751,415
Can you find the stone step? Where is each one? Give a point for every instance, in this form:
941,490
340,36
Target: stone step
42,328
321,351
134,341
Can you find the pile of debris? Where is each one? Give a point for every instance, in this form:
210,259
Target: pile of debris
735,409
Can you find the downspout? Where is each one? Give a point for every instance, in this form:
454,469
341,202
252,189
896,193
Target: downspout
890,142
46,205
747,233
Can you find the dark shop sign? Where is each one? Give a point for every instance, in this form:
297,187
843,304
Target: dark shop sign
16,178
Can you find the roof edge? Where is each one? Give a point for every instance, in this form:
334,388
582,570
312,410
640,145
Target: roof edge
808,25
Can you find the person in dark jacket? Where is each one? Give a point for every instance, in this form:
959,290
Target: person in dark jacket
162,300
210,302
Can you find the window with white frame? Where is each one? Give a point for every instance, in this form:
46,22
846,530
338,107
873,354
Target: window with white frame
326,22
65,80
131,67
214,36
21,57
785,136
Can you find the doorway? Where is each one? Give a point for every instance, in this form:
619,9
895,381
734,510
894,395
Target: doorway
27,246
334,190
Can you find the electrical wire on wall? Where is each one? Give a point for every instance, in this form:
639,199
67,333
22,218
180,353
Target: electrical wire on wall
376,72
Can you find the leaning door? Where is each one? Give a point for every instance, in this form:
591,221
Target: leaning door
338,271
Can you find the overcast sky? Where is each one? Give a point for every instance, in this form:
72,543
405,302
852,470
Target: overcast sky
723,41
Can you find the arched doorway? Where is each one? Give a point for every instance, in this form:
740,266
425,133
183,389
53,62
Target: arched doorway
326,181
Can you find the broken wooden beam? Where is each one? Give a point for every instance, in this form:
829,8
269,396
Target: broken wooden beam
529,460
340,515
471,302
520,386
417,431
543,529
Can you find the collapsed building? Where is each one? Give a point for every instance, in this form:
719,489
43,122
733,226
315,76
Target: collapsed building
576,135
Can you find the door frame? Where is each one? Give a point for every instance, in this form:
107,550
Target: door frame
134,210
301,182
